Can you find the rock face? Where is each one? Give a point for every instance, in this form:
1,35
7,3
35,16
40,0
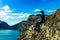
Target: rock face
49,30
4,25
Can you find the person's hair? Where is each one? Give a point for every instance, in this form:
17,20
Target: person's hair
42,12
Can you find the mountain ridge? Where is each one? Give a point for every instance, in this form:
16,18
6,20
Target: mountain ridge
4,25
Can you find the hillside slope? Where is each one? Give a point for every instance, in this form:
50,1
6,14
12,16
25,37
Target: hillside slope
49,30
4,25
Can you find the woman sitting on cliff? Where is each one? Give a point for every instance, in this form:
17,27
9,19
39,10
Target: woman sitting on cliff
42,20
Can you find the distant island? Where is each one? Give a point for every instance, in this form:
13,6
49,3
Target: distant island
4,25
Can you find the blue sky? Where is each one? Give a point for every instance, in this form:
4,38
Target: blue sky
15,11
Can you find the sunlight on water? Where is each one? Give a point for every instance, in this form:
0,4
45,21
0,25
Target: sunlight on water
5,31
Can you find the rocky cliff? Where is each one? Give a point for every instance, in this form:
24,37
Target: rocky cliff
49,30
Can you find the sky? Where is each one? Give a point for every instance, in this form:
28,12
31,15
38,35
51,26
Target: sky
15,11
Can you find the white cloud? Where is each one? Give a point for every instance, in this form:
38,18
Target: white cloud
6,14
3,12
50,10
37,10
20,15
6,8
23,15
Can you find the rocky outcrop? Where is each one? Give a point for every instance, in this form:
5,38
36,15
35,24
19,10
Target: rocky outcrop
49,30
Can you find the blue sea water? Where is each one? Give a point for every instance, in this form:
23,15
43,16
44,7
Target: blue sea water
9,34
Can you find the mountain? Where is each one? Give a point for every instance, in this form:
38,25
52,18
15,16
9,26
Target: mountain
4,25
16,26
48,30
